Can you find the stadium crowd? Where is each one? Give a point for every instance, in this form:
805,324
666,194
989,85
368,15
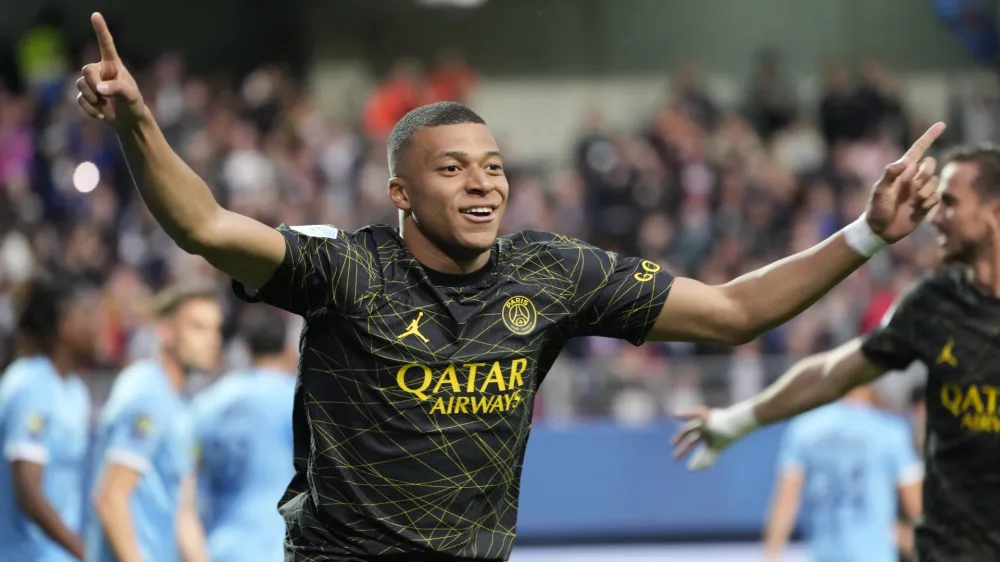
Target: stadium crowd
705,190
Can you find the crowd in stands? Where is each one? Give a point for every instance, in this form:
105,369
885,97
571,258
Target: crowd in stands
706,190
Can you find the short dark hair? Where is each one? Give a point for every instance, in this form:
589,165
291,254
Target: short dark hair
43,301
169,300
986,156
433,115
263,331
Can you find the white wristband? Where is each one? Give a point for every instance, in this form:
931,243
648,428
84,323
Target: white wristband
735,421
862,239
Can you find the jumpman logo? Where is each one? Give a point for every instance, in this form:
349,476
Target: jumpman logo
414,329
947,356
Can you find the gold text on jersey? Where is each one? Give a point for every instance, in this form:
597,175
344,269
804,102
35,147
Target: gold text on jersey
466,388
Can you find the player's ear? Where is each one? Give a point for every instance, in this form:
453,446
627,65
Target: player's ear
398,195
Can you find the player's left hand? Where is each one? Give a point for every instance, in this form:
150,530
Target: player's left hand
906,192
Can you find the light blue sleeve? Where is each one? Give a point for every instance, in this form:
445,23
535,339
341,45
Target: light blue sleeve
792,453
906,466
27,431
201,422
136,432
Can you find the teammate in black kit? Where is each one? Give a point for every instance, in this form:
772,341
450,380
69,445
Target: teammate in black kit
949,320
424,345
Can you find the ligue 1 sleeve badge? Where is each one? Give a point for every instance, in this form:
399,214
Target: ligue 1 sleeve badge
142,426
35,424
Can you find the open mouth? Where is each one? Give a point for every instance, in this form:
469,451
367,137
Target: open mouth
479,212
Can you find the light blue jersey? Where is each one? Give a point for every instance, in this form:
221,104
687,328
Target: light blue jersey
244,427
44,418
855,459
145,426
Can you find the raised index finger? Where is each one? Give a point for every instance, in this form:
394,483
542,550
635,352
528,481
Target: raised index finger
104,40
916,152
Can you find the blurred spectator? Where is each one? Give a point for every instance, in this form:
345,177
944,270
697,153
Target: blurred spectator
42,53
451,78
771,103
693,99
404,89
839,119
879,104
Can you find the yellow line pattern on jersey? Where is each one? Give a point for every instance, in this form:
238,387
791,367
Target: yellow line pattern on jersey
446,480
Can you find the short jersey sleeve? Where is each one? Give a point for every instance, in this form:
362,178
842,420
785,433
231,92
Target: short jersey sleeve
792,454
27,430
613,296
894,343
136,432
323,268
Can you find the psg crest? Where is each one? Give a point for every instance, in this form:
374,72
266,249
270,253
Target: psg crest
519,315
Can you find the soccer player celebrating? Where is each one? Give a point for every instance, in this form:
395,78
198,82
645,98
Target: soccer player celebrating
44,416
144,495
948,320
851,462
424,345
243,424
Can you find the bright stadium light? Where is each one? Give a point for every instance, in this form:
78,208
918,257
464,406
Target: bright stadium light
86,177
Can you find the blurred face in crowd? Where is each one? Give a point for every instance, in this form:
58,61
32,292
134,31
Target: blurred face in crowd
961,219
193,334
452,181
77,327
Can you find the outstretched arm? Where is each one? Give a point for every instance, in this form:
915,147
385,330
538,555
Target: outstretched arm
815,381
811,383
181,202
752,304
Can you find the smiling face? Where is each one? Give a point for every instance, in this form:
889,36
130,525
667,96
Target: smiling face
450,181
960,219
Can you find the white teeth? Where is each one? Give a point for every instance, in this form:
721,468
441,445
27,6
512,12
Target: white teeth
478,210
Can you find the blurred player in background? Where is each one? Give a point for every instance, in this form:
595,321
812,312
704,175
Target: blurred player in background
44,421
144,495
917,414
243,424
424,344
950,321
847,464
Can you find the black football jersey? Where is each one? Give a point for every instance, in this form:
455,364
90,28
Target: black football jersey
946,322
416,389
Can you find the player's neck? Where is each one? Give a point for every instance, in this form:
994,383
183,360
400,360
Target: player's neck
432,257
984,275
270,363
62,361
176,373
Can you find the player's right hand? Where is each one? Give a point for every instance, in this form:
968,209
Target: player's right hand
701,434
107,90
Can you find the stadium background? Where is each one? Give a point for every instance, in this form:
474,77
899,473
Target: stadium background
709,136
